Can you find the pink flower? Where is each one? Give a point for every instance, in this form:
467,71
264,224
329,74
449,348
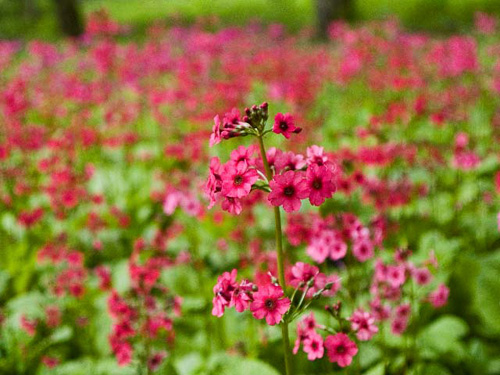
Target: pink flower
396,275
313,346
362,249
310,323
403,311
214,182
340,349
232,205
155,360
398,325
223,290
364,324
302,272
283,124
241,298
315,155
321,281
287,190
289,161
269,303
320,182
215,137
439,297
50,362
302,334
237,180
243,155
422,276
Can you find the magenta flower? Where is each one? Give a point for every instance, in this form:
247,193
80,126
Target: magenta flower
313,346
289,161
241,298
439,297
237,180
243,155
422,276
287,190
223,291
396,275
302,272
340,349
214,181
283,124
270,304
232,205
310,323
363,323
362,249
398,325
215,137
320,182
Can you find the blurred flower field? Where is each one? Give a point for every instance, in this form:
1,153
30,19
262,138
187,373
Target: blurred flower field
240,200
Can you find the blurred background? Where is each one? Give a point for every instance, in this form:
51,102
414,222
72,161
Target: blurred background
50,19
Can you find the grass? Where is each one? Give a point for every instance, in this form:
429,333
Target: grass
431,15
293,13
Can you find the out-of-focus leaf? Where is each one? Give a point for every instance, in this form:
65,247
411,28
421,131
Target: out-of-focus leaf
189,364
487,296
443,336
224,364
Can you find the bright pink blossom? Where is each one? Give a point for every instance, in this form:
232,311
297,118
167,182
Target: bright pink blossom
313,346
363,323
284,124
269,303
237,180
287,190
223,291
321,184
439,297
340,349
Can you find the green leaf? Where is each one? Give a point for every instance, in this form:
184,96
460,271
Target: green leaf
224,364
443,336
487,296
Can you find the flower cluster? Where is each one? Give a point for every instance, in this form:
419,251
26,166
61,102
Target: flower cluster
294,177
143,317
265,301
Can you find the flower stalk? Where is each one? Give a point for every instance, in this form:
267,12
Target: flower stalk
280,260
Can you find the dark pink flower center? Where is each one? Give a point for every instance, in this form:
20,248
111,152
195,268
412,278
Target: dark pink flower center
341,349
270,304
238,180
289,191
317,184
283,125
314,345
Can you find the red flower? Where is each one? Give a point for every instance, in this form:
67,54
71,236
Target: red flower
320,182
283,124
313,346
223,290
340,349
287,190
237,180
269,303
364,324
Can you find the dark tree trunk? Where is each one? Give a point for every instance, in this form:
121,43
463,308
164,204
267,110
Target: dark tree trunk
330,10
70,19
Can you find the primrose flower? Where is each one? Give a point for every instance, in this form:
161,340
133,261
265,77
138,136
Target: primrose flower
270,304
287,190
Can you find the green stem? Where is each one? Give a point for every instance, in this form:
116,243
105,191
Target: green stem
280,260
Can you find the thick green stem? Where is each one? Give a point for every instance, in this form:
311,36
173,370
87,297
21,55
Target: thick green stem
280,260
